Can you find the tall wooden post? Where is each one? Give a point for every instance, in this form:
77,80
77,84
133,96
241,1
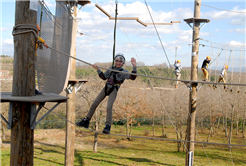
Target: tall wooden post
23,85
193,92
70,129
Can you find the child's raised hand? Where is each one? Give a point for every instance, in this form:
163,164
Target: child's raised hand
133,61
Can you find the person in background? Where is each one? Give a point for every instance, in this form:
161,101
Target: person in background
114,80
40,40
177,66
205,68
222,77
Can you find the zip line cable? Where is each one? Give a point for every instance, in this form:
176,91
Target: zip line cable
163,78
216,57
152,138
223,9
157,33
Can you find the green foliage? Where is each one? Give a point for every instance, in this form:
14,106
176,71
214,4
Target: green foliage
5,56
6,59
81,73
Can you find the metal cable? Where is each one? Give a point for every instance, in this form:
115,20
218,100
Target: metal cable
157,34
152,138
171,79
223,9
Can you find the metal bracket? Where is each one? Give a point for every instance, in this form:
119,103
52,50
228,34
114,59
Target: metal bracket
47,113
197,88
188,86
34,114
10,115
4,120
192,27
202,25
76,86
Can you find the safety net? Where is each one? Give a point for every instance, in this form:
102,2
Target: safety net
52,67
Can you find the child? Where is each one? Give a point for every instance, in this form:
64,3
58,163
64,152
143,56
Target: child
205,67
222,75
46,46
114,80
178,68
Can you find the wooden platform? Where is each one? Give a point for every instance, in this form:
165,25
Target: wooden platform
200,20
77,81
84,2
45,97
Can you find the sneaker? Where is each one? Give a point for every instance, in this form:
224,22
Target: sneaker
37,92
225,89
106,130
214,86
230,90
176,86
83,123
239,91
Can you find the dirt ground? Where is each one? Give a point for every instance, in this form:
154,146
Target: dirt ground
49,136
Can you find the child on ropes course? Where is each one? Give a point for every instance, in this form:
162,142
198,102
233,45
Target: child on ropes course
114,80
38,45
205,67
177,66
222,77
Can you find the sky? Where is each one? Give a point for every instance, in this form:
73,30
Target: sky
167,43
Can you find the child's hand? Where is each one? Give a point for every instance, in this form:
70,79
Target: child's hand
133,61
46,45
95,67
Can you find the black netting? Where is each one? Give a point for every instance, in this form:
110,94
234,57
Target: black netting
52,67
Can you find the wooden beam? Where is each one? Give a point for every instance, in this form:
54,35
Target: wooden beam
102,10
124,18
175,21
141,23
159,23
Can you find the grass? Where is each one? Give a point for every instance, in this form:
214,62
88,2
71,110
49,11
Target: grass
113,150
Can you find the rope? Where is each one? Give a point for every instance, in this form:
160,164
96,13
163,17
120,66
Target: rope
33,28
152,138
171,79
116,10
157,33
216,57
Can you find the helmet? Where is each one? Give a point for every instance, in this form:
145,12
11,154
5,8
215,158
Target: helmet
179,61
120,56
208,57
38,28
226,66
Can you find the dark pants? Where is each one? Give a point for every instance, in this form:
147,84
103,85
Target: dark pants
98,100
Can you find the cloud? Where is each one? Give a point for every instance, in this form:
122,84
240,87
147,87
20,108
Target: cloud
236,18
242,31
236,44
8,41
4,29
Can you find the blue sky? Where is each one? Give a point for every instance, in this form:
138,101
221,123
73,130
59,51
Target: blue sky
226,30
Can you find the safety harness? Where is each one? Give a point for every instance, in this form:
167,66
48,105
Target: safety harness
109,90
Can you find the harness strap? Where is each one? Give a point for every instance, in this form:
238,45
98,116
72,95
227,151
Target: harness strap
108,90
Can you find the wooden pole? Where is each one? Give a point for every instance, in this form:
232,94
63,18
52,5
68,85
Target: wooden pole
70,111
22,137
193,93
